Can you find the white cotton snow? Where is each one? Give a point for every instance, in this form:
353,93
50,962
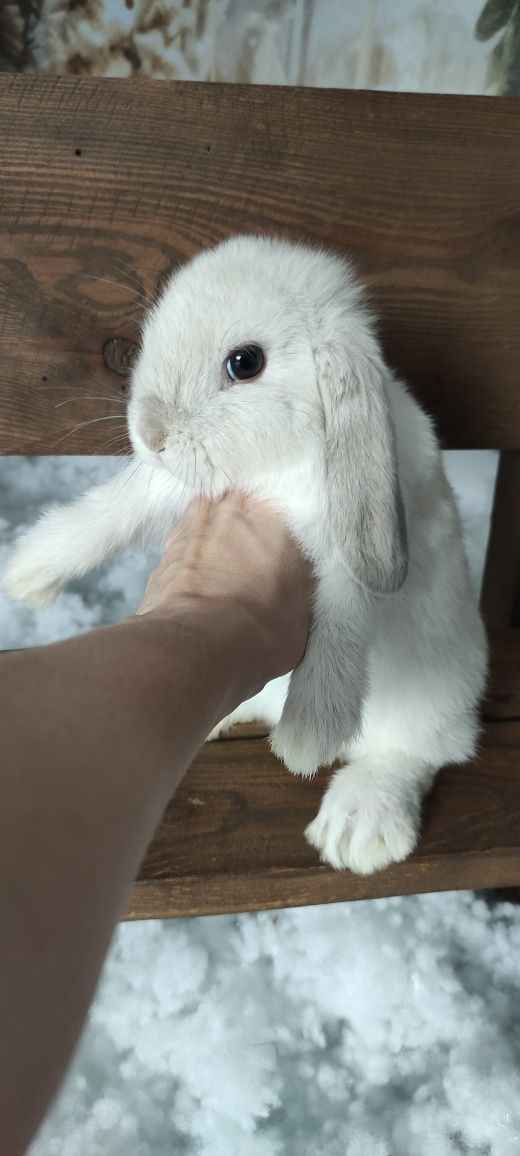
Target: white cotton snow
372,1028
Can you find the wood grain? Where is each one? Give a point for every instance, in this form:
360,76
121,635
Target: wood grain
232,838
109,180
500,594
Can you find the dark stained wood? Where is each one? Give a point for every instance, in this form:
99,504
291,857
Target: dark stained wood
503,683
500,595
232,839
119,180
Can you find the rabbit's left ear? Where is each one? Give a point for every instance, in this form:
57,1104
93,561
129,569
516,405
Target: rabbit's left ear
365,501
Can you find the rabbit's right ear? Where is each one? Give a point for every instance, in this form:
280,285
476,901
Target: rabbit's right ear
365,502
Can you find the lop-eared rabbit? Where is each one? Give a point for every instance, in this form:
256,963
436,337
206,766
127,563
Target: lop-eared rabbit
260,370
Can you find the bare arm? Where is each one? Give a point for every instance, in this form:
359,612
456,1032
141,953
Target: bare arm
96,733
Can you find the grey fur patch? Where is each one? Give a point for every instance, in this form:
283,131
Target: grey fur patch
365,502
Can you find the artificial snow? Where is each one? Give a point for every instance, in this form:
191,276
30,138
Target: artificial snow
383,1028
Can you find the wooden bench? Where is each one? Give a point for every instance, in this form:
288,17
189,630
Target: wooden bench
104,185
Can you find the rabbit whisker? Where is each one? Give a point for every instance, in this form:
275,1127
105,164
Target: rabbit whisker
131,475
96,377
90,397
129,271
132,323
82,424
117,285
113,441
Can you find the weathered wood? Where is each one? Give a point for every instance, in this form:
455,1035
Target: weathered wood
110,180
503,681
232,838
500,594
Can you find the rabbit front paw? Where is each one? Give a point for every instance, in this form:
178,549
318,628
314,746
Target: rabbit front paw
45,557
302,751
312,731
28,579
319,718
363,826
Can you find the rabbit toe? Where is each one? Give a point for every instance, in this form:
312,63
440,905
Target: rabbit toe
358,828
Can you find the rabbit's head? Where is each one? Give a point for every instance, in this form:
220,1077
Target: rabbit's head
260,353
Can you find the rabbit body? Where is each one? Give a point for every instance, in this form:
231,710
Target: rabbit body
426,664
396,659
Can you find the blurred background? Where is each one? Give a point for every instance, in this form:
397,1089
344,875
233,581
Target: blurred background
413,45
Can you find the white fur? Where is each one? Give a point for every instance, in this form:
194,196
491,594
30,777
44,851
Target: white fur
391,682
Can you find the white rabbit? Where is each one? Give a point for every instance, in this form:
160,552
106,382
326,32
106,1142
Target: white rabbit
260,370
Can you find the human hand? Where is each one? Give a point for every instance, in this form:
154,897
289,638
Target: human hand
235,561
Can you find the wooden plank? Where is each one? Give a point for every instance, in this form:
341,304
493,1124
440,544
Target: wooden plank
503,682
119,180
232,838
500,595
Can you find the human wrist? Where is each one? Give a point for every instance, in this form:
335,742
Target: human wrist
221,643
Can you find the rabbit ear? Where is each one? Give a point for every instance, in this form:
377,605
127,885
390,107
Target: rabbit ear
365,502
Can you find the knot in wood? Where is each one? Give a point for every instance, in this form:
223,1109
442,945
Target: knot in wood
119,354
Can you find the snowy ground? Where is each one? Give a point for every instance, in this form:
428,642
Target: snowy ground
385,1028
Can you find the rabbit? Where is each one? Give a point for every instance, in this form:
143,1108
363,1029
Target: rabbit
260,370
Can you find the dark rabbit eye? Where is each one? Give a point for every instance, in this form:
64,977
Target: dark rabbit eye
244,363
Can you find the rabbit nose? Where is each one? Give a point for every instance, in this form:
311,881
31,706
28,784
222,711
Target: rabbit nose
152,435
152,426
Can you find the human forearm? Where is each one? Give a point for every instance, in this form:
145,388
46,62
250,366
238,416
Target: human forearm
96,733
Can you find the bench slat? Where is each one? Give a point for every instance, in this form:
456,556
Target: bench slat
232,839
121,179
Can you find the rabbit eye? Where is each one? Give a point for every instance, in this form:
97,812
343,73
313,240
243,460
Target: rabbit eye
244,363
